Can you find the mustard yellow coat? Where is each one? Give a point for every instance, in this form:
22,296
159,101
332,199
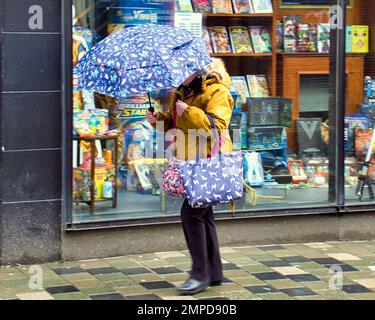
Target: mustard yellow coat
215,100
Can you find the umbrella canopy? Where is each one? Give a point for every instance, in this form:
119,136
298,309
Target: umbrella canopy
141,59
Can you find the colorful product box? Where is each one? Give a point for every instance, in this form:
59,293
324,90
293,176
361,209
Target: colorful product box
267,138
349,38
82,181
91,123
353,122
360,39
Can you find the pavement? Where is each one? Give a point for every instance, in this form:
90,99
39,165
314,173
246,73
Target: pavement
273,272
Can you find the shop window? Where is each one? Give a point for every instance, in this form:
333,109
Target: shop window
278,60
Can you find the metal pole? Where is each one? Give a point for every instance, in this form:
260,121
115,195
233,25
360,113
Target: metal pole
337,105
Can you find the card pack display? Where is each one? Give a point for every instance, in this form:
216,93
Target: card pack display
240,39
303,37
242,6
222,6
291,23
313,38
261,39
220,39
280,37
207,40
202,6
323,37
360,39
309,136
258,86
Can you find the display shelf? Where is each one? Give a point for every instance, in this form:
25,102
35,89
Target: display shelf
255,55
240,15
91,140
241,64
318,54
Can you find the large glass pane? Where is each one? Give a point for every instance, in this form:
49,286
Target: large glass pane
277,55
360,102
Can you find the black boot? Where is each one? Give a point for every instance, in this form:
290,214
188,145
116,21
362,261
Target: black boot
193,286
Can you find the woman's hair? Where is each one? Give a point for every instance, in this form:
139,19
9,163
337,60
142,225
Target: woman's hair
216,69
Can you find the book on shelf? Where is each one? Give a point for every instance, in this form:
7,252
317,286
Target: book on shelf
258,86
313,38
222,6
360,39
323,38
262,6
242,6
239,86
202,6
207,40
220,39
183,6
240,39
261,39
291,23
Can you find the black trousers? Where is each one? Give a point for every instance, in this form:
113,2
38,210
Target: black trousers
201,238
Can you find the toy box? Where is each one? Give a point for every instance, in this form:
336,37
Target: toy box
360,39
368,110
82,181
273,111
253,169
263,111
297,170
369,94
91,122
353,122
309,136
267,138
362,142
235,129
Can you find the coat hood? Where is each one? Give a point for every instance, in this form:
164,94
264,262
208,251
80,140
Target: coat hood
216,72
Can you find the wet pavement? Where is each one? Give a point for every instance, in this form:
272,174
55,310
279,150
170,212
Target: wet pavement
273,272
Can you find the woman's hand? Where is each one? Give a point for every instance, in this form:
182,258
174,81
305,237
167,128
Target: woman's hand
152,117
181,107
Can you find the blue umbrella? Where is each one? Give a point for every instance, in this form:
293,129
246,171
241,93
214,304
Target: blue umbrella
141,59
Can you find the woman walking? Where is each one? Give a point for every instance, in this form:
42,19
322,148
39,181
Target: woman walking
200,95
